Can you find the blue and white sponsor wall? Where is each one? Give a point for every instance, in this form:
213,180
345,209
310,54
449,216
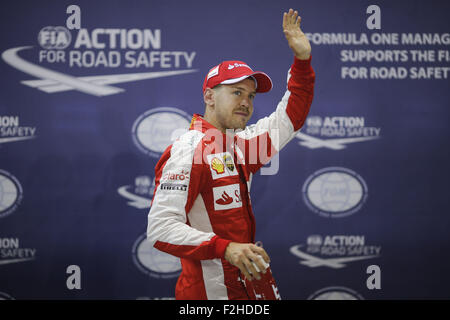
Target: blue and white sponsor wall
90,95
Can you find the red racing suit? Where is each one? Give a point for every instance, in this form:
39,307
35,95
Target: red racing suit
202,200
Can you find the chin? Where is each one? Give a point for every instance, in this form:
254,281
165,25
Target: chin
238,125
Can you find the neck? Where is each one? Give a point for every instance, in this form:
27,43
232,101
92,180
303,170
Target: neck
214,122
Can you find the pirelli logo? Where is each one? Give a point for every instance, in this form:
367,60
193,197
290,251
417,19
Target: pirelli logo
173,186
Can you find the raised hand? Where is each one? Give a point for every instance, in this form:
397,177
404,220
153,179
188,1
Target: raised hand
297,40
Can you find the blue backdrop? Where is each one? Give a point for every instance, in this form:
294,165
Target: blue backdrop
85,111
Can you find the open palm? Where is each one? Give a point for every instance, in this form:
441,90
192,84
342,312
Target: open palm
297,40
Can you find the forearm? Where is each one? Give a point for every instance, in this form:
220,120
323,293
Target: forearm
301,87
175,237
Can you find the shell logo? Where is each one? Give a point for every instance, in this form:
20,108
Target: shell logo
217,165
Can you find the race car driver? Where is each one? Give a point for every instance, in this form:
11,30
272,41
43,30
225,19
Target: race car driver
201,209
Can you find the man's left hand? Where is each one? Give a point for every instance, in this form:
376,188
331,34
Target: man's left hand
297,40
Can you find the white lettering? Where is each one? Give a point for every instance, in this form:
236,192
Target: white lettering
101,38
444,55
340,240
196,310
74,20
9,121
384,38
425,38
152,38
161,59
95,42
354,72
74,280
388,73
189,58
373,21
343,122
423,55
83,39
6,243
374,280
374,55
338,38
52,56
429,72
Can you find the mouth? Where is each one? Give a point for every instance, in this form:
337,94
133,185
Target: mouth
242,113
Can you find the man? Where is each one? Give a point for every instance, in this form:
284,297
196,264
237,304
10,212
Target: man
201,209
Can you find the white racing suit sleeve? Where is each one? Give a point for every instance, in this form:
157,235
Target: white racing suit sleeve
178,182
261,141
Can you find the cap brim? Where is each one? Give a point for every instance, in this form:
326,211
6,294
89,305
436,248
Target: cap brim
264,83
263,80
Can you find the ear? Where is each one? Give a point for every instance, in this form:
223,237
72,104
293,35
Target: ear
208,97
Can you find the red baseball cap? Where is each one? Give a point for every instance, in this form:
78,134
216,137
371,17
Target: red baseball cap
233,71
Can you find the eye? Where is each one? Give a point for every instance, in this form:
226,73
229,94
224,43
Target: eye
238,93
252,96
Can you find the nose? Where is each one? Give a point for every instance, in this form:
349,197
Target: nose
245,102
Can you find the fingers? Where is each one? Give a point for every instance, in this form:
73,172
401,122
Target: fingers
286,18
244,263
291,22
259,260
263,253
251,269
244,270
291,18
249,258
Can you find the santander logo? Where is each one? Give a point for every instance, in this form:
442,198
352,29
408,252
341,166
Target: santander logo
226,199
235,65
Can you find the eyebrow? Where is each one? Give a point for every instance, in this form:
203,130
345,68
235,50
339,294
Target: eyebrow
243,89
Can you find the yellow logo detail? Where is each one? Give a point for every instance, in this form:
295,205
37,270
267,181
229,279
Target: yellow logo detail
217,165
